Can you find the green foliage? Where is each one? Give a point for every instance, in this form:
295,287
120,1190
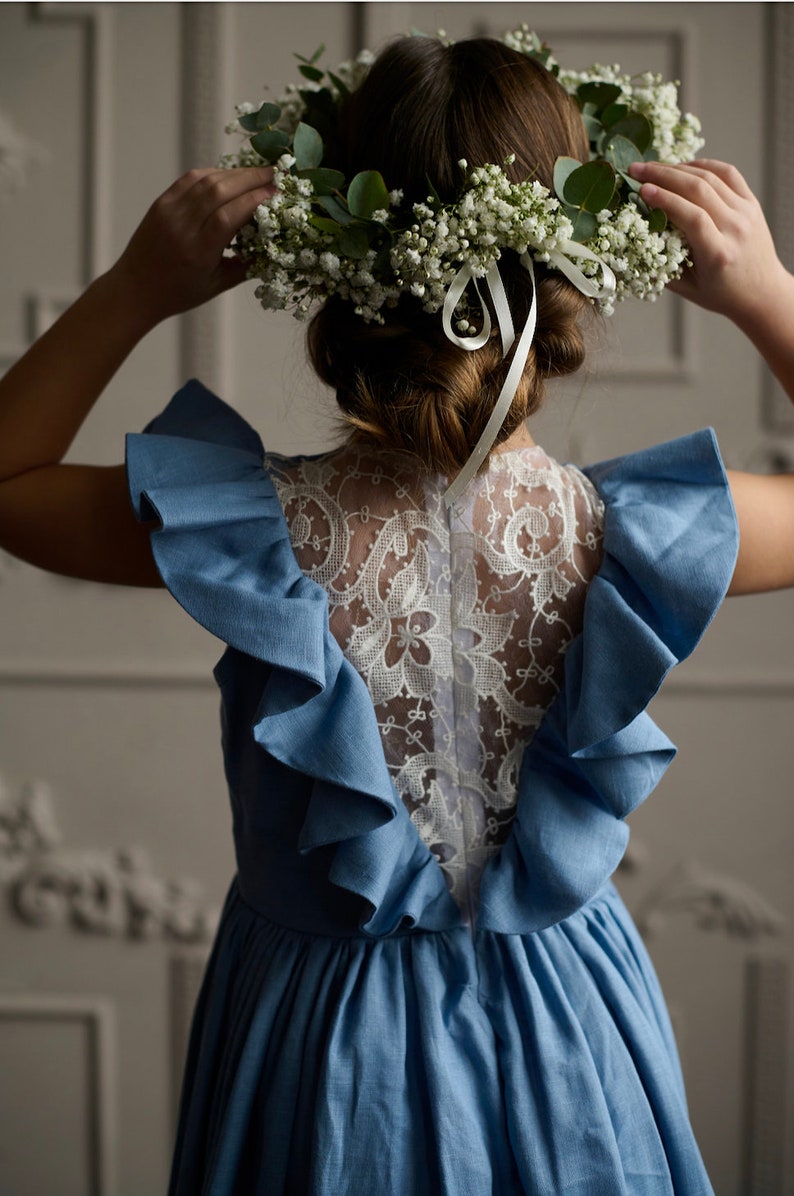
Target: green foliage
590,187
541,53
267,116
354,241
600,95
657,220
342,88
366,194
563,168
635,127
618,136
584,224
307,146
335,208
270,144
324,182
620,152
316,56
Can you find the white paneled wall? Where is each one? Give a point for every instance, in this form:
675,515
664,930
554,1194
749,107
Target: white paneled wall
105,694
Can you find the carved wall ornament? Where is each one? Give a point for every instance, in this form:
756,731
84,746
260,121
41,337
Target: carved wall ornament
111,892
18,156
713,900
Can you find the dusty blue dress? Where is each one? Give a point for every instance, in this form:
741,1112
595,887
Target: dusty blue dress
352,1035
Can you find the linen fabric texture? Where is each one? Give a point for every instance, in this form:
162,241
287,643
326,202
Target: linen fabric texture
362,1027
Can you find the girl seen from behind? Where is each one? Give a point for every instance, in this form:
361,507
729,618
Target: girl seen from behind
441,642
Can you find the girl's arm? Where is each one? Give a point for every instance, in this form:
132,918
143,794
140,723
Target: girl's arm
77,519
737,273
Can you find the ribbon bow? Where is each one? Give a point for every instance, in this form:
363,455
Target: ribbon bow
560,259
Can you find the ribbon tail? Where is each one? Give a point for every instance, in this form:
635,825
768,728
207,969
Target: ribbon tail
503,403
560,259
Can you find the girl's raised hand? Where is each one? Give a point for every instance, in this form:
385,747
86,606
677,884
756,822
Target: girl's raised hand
736,269
175,259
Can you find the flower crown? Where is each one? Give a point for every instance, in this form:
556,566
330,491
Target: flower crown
321,235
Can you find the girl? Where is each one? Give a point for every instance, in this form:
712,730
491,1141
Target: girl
433,719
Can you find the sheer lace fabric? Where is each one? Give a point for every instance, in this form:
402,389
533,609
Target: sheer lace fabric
457,620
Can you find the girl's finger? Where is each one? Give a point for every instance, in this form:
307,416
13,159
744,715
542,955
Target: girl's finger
204,190
222,223
697,188
693,218
713,180
729,175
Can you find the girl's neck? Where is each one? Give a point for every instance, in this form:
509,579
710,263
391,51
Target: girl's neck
518,440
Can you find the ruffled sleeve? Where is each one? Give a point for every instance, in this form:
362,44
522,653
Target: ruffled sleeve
670,543
223,550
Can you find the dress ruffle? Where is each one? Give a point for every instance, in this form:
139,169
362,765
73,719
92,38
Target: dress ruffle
670,543
224,552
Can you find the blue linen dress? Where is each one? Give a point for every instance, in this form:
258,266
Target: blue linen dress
353,1036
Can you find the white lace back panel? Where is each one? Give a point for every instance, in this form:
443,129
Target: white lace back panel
457,621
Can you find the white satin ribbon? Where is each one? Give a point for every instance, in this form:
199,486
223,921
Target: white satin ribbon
560,260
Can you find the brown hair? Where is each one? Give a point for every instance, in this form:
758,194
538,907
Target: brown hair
422,107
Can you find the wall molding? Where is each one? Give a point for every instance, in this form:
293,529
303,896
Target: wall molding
113,892
96,1015
767,985
206,40
96,21
198,675
713,900
777,412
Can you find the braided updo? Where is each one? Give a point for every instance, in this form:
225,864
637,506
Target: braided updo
422,108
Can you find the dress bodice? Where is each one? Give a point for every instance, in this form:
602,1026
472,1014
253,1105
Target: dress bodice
325,843
456,620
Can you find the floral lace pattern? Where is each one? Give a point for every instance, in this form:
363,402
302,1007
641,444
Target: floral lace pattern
457,621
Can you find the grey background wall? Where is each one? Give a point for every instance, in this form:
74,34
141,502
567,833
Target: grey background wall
114,834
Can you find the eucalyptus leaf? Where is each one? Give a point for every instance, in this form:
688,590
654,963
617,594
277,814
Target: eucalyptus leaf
621,152
432,194
593,126
354,241
613,113
382,261
267,115
657,220
248,122
590,187
335,209
307,146
311,61
320,110
651,154
635,128
311,72
600,94
632,184
324,182
324,224
270,144
641,206
563,168
340,86
366,194
584,223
